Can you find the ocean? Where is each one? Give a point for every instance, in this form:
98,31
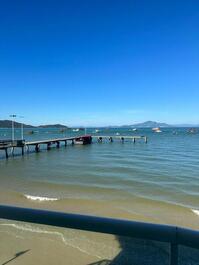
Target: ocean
155,182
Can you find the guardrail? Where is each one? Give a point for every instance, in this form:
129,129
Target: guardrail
164,233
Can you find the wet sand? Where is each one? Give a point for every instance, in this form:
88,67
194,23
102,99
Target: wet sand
51,245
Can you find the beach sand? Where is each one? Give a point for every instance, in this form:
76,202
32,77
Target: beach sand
51,245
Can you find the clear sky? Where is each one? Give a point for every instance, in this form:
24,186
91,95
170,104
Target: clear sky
99,62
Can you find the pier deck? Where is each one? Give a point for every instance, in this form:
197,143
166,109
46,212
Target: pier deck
121,137
46,141
11,145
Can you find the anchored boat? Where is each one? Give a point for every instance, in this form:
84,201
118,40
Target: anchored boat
86,139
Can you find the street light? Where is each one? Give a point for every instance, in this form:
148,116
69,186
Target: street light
13,131
22,134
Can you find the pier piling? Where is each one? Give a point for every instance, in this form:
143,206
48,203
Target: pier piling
6,152
37,148
48,146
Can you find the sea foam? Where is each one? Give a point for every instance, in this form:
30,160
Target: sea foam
39,198
72,239
195,211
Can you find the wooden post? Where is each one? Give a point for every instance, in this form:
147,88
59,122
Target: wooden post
48,146
146,140
66,143
134,139
73,142
22,150
37,148
111,139
6,151
99,139
58,144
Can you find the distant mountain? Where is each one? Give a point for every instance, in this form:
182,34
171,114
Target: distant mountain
8,124
53,126
150,124
186,125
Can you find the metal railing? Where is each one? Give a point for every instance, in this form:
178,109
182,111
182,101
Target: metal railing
164,233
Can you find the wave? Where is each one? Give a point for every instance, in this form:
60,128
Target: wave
39,198
195,211
73,239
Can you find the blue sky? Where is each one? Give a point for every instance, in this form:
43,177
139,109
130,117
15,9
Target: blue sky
99,62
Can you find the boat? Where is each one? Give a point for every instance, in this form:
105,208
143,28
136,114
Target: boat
192,130
157,130
78,129
134,130
83,140
30,132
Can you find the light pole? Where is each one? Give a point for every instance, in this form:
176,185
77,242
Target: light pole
22,134
13,129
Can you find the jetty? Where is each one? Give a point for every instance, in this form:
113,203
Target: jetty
22,144
9,146
122,138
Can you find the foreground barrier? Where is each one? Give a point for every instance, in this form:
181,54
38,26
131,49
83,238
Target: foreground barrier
173,235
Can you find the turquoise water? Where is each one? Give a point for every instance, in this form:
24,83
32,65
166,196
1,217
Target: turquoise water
157,181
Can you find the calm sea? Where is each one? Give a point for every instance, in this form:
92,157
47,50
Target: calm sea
148,180
151,181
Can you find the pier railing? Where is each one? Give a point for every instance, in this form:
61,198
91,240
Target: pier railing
173,235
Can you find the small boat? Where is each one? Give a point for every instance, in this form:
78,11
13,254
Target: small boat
97,130
192,130
83,140
30,132
75,130
117,133
134,130
157,130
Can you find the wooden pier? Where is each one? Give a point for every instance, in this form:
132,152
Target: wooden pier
50,142
6,145
11,145
122,138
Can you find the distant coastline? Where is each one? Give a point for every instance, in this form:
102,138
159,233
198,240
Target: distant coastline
8,124
147,124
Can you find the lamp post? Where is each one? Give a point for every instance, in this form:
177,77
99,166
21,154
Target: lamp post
22,133
13,129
